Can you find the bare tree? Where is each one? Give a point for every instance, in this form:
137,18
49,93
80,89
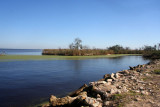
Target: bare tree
76,45
71,46
158,46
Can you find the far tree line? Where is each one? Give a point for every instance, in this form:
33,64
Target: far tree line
77,49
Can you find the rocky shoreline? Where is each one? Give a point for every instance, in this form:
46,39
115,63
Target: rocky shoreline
139,86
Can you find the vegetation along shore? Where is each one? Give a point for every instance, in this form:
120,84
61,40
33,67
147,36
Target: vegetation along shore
57,57
77,49
138,86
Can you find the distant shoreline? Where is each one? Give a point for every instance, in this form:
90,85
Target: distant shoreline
55,57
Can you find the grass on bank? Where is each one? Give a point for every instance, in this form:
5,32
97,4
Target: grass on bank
121,99
53,57
157,71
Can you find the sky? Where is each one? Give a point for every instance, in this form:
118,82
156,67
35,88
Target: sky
41,24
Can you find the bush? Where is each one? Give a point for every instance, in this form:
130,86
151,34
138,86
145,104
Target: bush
152,54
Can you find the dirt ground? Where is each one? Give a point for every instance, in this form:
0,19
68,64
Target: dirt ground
151,99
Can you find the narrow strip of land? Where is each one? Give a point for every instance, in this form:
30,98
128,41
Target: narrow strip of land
53,57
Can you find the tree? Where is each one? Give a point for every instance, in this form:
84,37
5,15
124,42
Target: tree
116,48
85,47
148,48
71,46
158,46
76,45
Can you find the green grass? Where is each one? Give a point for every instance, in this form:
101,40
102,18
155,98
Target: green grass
52,57
146,78
125,97
41,104
157,71
118,96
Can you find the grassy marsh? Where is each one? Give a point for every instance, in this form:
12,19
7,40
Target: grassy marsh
53,57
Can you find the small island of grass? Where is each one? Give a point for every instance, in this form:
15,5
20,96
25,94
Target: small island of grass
55,57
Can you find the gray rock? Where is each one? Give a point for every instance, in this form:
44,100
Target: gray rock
97,83
98,96
117,75
126,71
92,102
112,76
109,80
106,103
144,92
141,88
114,91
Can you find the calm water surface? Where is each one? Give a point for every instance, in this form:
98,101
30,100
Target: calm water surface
25,83
21,51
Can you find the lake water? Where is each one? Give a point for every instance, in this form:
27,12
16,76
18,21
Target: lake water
21,51
25,83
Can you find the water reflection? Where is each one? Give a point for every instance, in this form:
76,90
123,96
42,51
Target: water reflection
77,65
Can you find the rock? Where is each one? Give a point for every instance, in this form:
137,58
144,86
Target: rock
137,91
148,66
146,74
141,88
99,90
131,68
102,89
108,83
112,76
144,92
119,87
92,102
124,89
97,83
53,98
107,76
132,77
137,99
113,91
106,103
109,80
134,72
84,93
138,66
61,101
99,98
81,97
118,92
78,91
117,75
126,71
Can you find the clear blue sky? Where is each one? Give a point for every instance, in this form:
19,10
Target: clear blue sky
99,23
